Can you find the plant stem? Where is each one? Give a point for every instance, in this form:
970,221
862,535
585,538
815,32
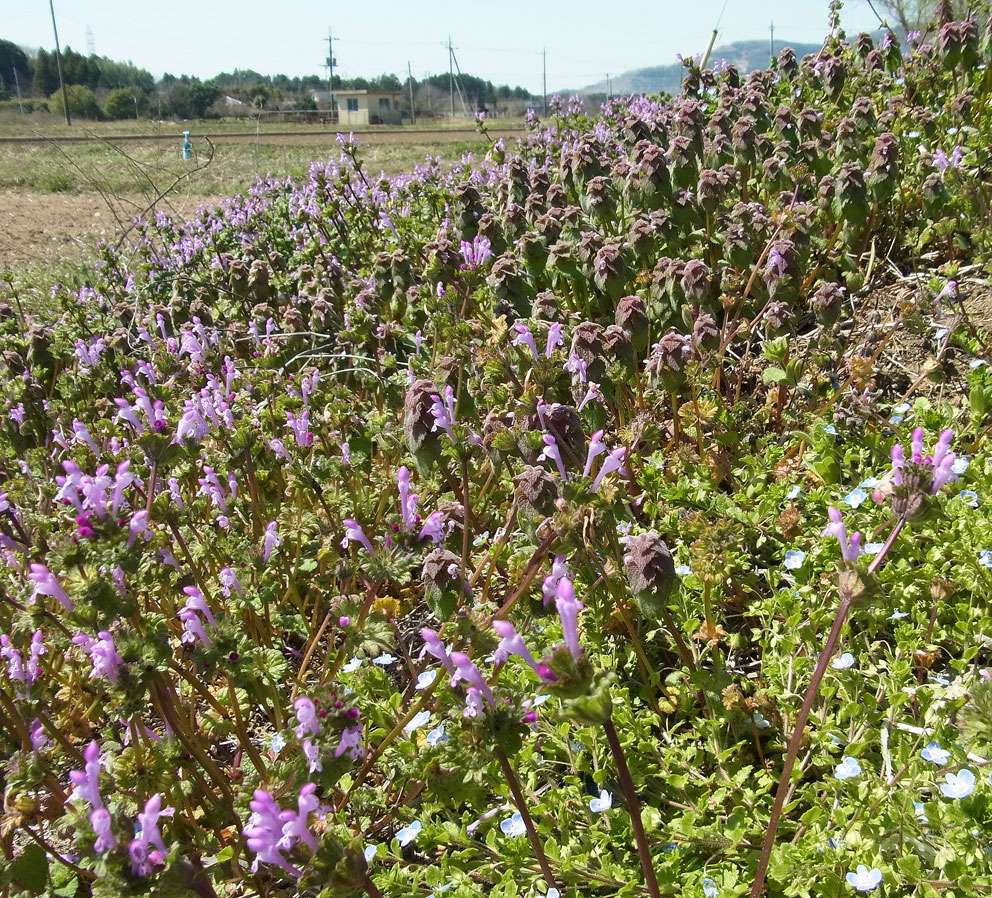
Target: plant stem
518,800
633,807
797,734
370,887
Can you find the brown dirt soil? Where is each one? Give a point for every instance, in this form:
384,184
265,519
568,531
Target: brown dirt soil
912,357
39,228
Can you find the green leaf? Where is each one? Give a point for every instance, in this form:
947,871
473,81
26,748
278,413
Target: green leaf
774,375
225,854
30,870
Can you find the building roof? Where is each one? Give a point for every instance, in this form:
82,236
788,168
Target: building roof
375,93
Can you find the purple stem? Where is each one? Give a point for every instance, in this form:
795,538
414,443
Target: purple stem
797,733
633,808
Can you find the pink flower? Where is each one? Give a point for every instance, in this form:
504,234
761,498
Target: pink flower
568,610
272,540
613,462
354,534
45,584
849,550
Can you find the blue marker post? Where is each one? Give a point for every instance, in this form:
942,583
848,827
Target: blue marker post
187,146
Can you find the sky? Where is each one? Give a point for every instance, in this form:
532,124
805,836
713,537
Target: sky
500,41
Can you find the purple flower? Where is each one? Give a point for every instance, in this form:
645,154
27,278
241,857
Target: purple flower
272,540
311,751
596,447
434,647
103,654
408,502
555,338
593,392
613,462
849,550
568,610
264,833
467,671
553,453
524,337
559,569
306,715
15,664
354,534
45,584
433,527
229,581
87,780
511,643
100,821
443,416
351,742
148,821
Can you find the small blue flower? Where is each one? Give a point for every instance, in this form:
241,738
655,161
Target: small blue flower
540,700
710,888
920,813
603,803
940,333
976,363
513,826
959,785
794,559
985,558
935,754
576,746
969,497
960,465
406,835
417,721
553,893
843,662
856,497
352,665
898,615
869,483
873,548
426,679
902,408
440,889
385,659
370,852
760,721
895,419
278,742
794,493
829,428
865,880
847,769
683,570
437,736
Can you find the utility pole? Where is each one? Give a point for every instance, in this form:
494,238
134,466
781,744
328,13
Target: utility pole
451,76
330,68
409,74
58,62
771,40
427,80
544,54
17,87
709,49
609,87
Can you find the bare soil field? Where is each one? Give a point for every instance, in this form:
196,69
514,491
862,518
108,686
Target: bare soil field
62,192
39,229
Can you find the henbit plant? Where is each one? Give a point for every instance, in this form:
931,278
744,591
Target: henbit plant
598,392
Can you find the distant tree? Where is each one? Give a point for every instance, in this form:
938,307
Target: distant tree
305,103
190,98
82,102
259,95
914,15
46,76
125,102
14,59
